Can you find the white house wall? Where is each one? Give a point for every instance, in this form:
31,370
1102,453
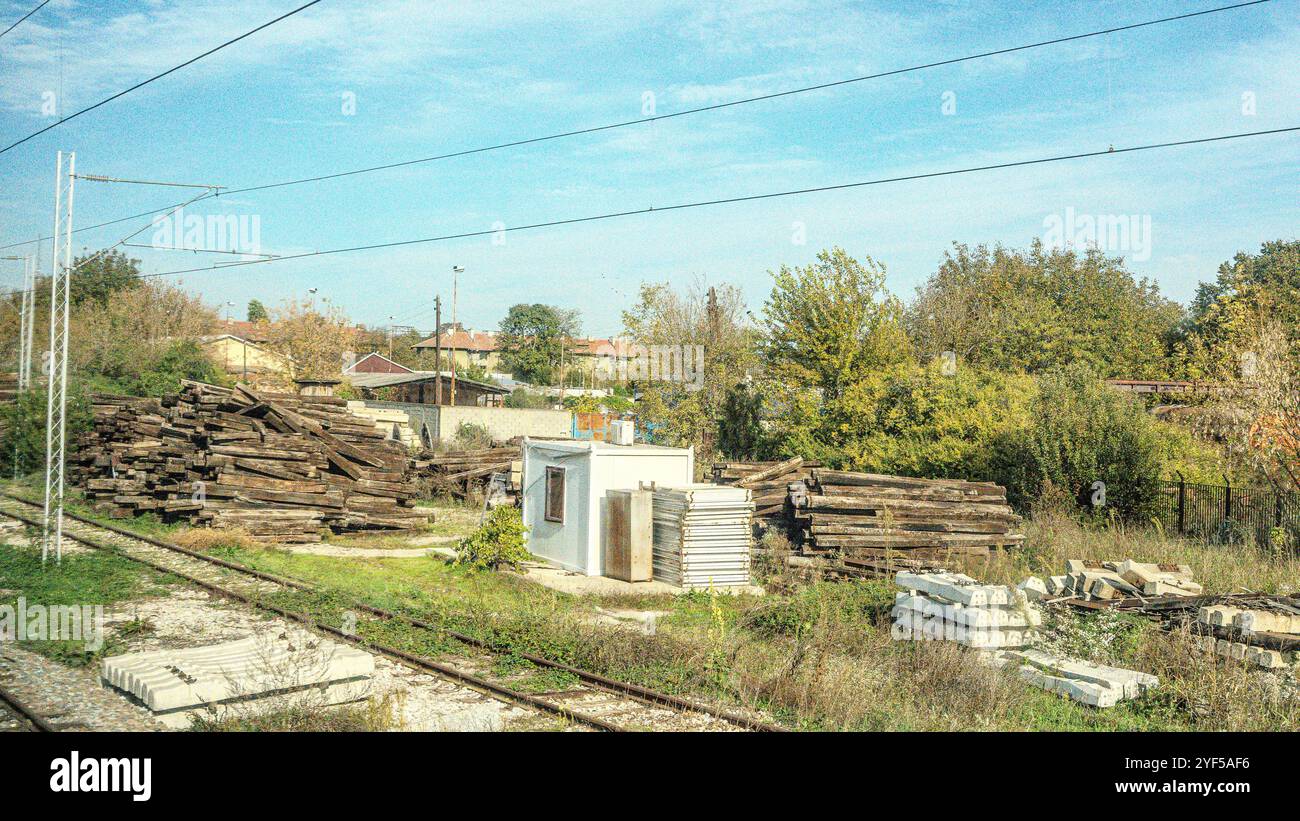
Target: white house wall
568,543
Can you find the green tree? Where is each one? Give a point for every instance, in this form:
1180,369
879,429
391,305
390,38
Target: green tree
182,359
99,276
1037,310
257,311
532,340
926,422
143,341
22,428
1225,318
1087,442
829,323
706,328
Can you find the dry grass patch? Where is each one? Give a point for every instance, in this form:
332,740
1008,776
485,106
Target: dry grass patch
208,539
1052,538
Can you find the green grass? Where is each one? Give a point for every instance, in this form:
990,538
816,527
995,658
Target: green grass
819,656
94,578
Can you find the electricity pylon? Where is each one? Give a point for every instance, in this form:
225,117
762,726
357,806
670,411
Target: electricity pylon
56,361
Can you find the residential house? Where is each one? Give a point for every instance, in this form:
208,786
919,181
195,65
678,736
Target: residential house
421,388
465,346
375,363
245,359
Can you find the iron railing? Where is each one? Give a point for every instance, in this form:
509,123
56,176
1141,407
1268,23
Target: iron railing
1226,513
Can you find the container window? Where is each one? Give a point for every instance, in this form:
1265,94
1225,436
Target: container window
554,495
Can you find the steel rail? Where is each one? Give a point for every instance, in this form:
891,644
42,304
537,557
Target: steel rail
417,662
595,679
16,704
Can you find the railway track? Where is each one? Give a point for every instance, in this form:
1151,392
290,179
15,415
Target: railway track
24,716
596,702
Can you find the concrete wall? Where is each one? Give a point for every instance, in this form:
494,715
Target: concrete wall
434,422
235,355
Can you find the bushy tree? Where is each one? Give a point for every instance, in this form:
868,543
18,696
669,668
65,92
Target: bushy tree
1083,441
1227,316
257,311
1037,310
143,341
692,410
98,276
927,422
532,340
498,541
315,339
828,329
182,359
828,323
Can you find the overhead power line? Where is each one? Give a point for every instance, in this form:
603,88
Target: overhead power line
686,112
24,17
144,83
732,200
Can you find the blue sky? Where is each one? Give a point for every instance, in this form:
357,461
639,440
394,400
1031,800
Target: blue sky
434,77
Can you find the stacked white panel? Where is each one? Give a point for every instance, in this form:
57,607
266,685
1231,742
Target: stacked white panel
702,535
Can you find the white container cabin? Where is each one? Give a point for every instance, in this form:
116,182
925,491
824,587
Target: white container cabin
565,484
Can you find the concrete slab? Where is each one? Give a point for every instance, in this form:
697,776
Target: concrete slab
1261,621
1131,683
1087,692
170,680
1218,614
958,588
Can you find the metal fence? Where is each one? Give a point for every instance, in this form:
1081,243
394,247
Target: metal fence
1223,513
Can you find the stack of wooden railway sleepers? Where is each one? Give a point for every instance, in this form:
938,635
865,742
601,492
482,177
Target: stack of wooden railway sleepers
460,472
279,466
882,524
769,481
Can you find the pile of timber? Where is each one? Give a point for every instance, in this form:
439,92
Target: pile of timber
769,481
280,466
461,472
882,524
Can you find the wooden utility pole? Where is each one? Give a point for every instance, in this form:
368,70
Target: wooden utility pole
437,348
456,271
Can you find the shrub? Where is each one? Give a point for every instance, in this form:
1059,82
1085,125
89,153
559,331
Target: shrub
470,436
22,428
522,398
498,541
184,359
1081,432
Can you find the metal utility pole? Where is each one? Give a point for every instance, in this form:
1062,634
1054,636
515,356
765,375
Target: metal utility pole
437,349
57,364
456,271
28,328
25,319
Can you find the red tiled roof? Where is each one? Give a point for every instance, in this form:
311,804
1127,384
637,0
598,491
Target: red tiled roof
485,341
463,341
376,362
252,331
